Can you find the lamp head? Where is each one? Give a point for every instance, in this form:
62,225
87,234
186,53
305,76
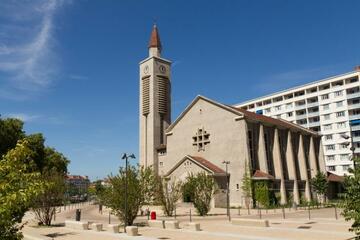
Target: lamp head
132,156
124,156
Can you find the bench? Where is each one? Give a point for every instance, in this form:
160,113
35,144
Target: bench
192,226
114,228
250,222
77,225
36,237
172,224
97,227
131,230
156,223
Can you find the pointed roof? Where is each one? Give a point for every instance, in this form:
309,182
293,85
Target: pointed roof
260,175
154,41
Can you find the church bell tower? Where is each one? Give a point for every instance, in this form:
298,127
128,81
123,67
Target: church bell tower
155,103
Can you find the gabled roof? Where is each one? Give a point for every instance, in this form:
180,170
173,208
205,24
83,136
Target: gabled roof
155,39
259,175
199,97
274,121
246,114
201,162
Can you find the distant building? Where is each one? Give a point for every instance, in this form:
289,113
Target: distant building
79,183
329,106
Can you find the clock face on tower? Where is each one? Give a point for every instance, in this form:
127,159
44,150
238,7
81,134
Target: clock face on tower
162,69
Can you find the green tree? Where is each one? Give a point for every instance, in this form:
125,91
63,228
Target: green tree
45,204
320,185
351,198
138,192
54,169
262,193
19,185
204,187
246,186
36,144
11,131
168,193
55,161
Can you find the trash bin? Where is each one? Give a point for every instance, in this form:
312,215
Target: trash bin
78,215
153,215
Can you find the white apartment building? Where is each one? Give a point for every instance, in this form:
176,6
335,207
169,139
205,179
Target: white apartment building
329,106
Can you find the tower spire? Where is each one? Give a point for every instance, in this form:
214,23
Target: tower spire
155,46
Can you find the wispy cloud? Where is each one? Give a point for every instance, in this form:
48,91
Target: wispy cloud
28,60
23,116
37,118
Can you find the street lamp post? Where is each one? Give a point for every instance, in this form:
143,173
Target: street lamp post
126,157
227,189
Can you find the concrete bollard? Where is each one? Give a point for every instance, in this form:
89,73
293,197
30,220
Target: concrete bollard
132,230
250,222
156,223
97,227
77,225
114,228
172,224
193,226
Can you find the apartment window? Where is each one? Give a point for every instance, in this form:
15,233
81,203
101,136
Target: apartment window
327,127
330,157
356,134
289,114
344,157
327,117
237,187
289,105
341,125
161,164
328,137
343,146
340,114
301,121
338,93
340,104
330,147
331,168
267,110
277,108
346,167
326,107
325,96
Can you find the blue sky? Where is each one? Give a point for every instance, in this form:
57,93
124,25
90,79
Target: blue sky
69,69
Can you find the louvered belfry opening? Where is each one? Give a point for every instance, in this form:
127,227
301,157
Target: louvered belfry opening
146,95
163,94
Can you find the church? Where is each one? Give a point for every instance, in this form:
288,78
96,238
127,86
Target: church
221,140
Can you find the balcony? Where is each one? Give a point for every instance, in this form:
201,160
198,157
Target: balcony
313,114
355,128
314,124
353,106
299,117
353,95
313,104
354,117
356,139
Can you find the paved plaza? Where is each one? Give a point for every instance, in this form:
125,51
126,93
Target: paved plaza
296,225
